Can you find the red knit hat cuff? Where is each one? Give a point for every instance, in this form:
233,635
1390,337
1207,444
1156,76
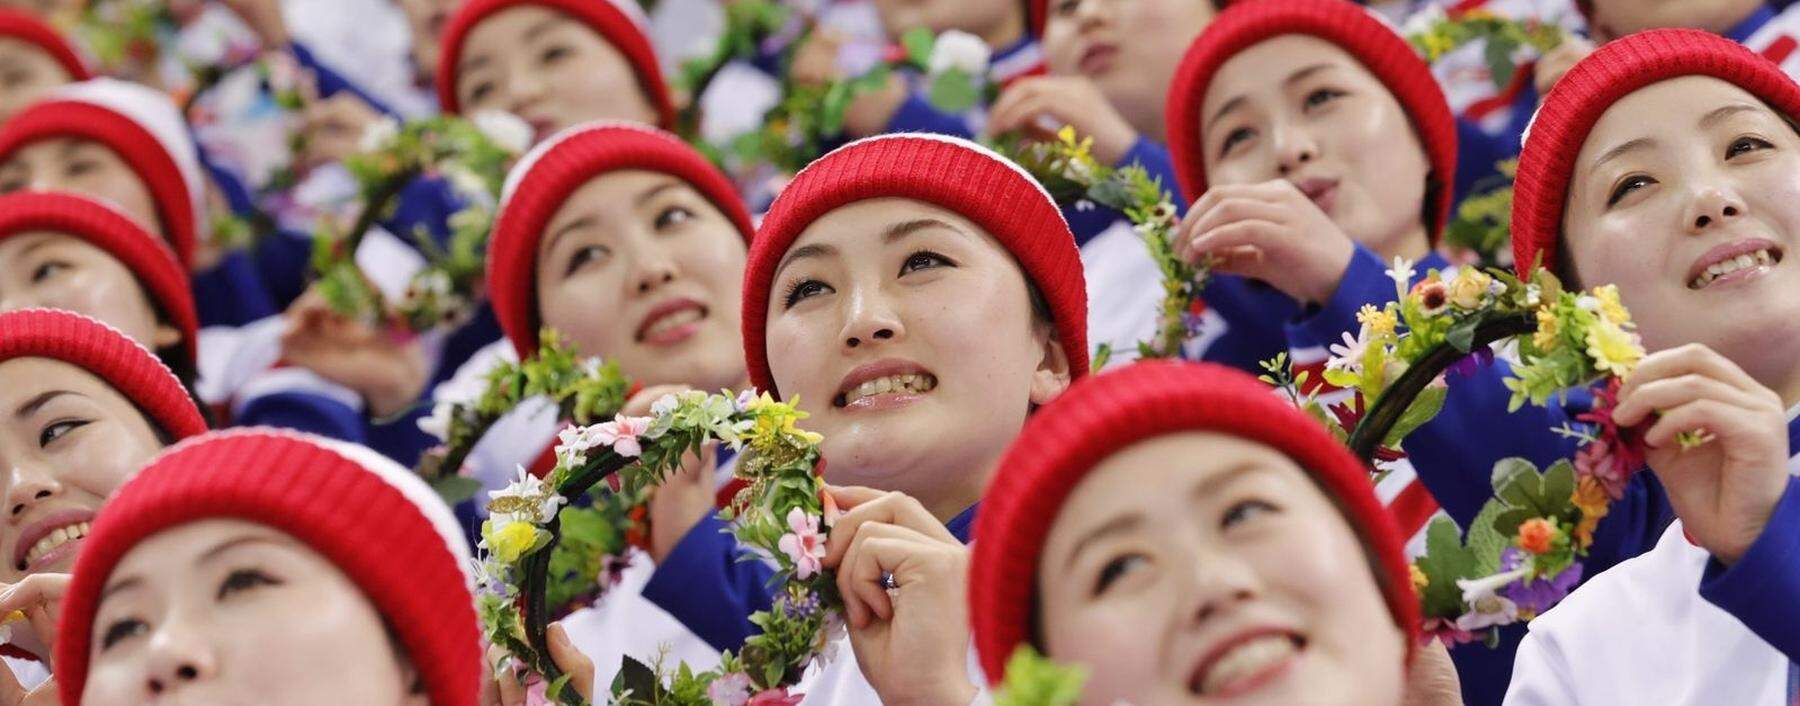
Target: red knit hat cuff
146,256
947,172
1097,418
26,27
377,523
545,178
613,22
1356,30
122,363
147,157
1575,104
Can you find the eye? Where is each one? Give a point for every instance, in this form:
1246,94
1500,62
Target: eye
673,216
1321,97
1626,186
1115,569
12,181
1746,144
121,630
803,289
481,91
243,580
554,54
1244,511
80,167
1065,8
47,270
924,260
581,258
56,430
1234,138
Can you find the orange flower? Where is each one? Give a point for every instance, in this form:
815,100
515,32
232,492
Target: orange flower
1591,498
1536,534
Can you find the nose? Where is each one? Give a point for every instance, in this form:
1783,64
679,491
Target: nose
1710,208
1294,148
1220,581
871,318
27,486
654,269
178,657
1089,14
524,88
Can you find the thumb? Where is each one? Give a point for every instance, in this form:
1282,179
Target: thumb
12,693
572,662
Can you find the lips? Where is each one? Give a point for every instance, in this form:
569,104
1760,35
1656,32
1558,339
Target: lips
541,128
671,322
1733,262
1245,662
51,538
1321,191
1097,59
883,384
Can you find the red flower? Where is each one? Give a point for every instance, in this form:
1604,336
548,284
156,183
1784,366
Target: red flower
775,697
1616,452
1349,414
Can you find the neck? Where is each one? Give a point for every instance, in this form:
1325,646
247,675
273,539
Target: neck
953,500
1148,122
1413,246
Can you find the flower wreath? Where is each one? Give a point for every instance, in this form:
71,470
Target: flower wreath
1523,552
1067,169
473,156
545,549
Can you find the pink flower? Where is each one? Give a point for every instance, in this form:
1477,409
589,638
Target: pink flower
1616,452
622,434
1445,631
729,690
805,545
775,697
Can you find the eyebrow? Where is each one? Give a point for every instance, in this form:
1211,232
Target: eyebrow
651,192
120,585
1205,487
1622,150
1297,76
542,26
1115,526
902,229
234,543
803,252
1722,112
32,405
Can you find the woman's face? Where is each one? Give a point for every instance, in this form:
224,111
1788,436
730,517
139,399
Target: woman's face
550,70
908,333
51,270
982,18
83,167
1129,48
1298,108
425,19
68,442
1691,215
26,74
637,267
227,611
1202,568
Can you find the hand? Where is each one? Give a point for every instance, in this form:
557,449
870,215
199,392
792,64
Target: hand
1065,100
388,373
1558,61
1725,490
1268,231
687,495
508,689
913,643
264,18
333,127
1432,680
40,597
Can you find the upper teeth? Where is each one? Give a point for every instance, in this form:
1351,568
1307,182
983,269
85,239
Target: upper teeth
1762,258
910,382
1246,660
56,539
671,320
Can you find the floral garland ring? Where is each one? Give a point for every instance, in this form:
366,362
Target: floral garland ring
1523,552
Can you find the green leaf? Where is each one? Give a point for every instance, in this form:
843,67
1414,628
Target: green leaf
1446,559
918,42
1499,60
953,91
1462,335
639,679
833,107
1485,541
1423,409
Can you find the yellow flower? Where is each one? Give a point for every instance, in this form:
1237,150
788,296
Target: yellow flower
1613,349
1590,497
1380,322
1548,328
1437,45
776,419
1469,288
1419,580
1610,307
511,541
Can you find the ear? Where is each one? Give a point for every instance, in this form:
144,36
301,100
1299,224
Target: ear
1052,374
164,337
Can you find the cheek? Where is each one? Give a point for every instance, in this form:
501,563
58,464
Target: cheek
108,293
1115,640
287,643
799,342
567,306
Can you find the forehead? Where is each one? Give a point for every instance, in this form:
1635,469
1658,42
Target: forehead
50,148
175,548
14,49
1679,104
24,378
617,189
859,221
505,27
1264,66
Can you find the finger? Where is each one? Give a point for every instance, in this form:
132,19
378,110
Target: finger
11,691
37,590
571,661
1712,416
891,508
1266,190
1692,358
875,557
1240,208
1231,235
1011,109
512,693
1668,393
1238,260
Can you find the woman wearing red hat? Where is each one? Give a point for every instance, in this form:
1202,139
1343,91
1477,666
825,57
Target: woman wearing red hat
84,406
1663,164
260,566
34,58
1183,535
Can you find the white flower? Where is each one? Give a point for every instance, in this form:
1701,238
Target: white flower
962,51
505,130
1402,274
1348,356
1588,303
1423,20
539,504
1534,295
1487,608
464,180
378,135
665,405
573,442
1078,171
438,424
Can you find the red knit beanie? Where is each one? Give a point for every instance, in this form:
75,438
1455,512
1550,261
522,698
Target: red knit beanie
146,255
1576,102
124,364
376,521
546,176
1100,416
26,27
946,172
1347,25
143,128
619,22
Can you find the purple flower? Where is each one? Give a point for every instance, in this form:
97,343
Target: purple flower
1473,362
798,609
1534,596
